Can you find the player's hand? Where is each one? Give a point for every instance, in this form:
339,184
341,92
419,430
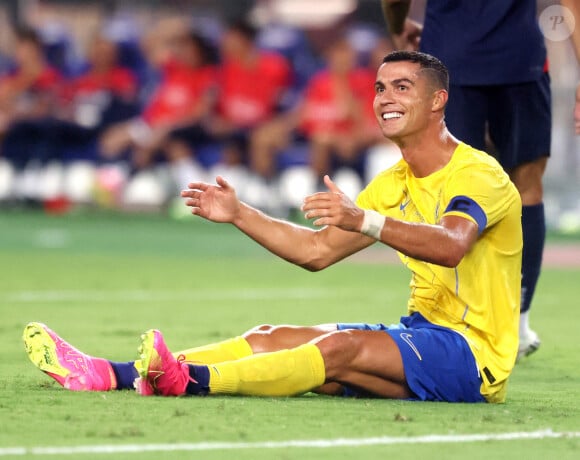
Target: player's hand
217,203
577,111
333,208
409,39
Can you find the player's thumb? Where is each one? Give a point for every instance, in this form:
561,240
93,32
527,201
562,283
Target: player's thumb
331,185
223,183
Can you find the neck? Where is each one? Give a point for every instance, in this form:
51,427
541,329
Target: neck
248,57
429,151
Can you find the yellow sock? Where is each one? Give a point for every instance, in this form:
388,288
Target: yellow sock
228,350
281,373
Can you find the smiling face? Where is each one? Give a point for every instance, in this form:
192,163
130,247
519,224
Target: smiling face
406,102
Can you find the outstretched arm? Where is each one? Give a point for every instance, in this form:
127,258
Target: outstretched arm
405,33
310,249
443,244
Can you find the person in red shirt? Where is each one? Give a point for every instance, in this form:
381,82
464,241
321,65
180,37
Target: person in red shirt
251,85
332,116
29,90
106,92
183,98
27,96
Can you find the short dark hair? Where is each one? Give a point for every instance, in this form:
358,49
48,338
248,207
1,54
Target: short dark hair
244,28
25,33
206,49
438,73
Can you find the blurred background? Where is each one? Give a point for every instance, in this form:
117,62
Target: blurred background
119,104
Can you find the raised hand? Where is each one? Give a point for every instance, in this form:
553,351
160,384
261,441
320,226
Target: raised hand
333,208
409,39
217,203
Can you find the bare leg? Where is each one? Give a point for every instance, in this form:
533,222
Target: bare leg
528,180
366,360
369,361
266,338
265,142
320,156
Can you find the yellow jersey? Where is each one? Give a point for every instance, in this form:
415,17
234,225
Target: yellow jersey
479,298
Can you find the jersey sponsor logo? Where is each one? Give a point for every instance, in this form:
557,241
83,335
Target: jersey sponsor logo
407,339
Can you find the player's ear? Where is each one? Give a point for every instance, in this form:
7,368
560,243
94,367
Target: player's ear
439,100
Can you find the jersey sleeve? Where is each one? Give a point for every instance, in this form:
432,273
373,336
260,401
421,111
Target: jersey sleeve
480,194
365,199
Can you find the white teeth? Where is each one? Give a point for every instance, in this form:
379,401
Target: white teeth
390,115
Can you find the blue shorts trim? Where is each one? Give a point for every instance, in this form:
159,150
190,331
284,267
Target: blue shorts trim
439,365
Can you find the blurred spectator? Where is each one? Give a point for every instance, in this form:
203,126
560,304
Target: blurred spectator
251,85
105,93
335,117
181,101
30,88
27,96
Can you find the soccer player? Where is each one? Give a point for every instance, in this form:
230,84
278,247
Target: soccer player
449,210
496,56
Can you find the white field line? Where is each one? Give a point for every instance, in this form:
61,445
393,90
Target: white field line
96,296
310,444
207,294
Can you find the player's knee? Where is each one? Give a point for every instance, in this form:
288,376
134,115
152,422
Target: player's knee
528,180
338,349
266,338
260,337
261,329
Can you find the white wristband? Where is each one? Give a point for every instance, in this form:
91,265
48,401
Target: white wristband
373,224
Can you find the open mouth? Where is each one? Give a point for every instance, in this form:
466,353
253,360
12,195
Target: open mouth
391,115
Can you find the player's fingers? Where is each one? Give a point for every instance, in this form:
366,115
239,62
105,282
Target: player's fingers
191,193
222,183
331,185
318,196
194,202
316,204
318,212
321,222
198,186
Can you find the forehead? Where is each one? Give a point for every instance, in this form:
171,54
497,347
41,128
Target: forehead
391,71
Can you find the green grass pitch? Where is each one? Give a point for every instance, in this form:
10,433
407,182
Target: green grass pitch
101,280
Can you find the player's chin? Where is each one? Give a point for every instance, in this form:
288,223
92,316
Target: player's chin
390,132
